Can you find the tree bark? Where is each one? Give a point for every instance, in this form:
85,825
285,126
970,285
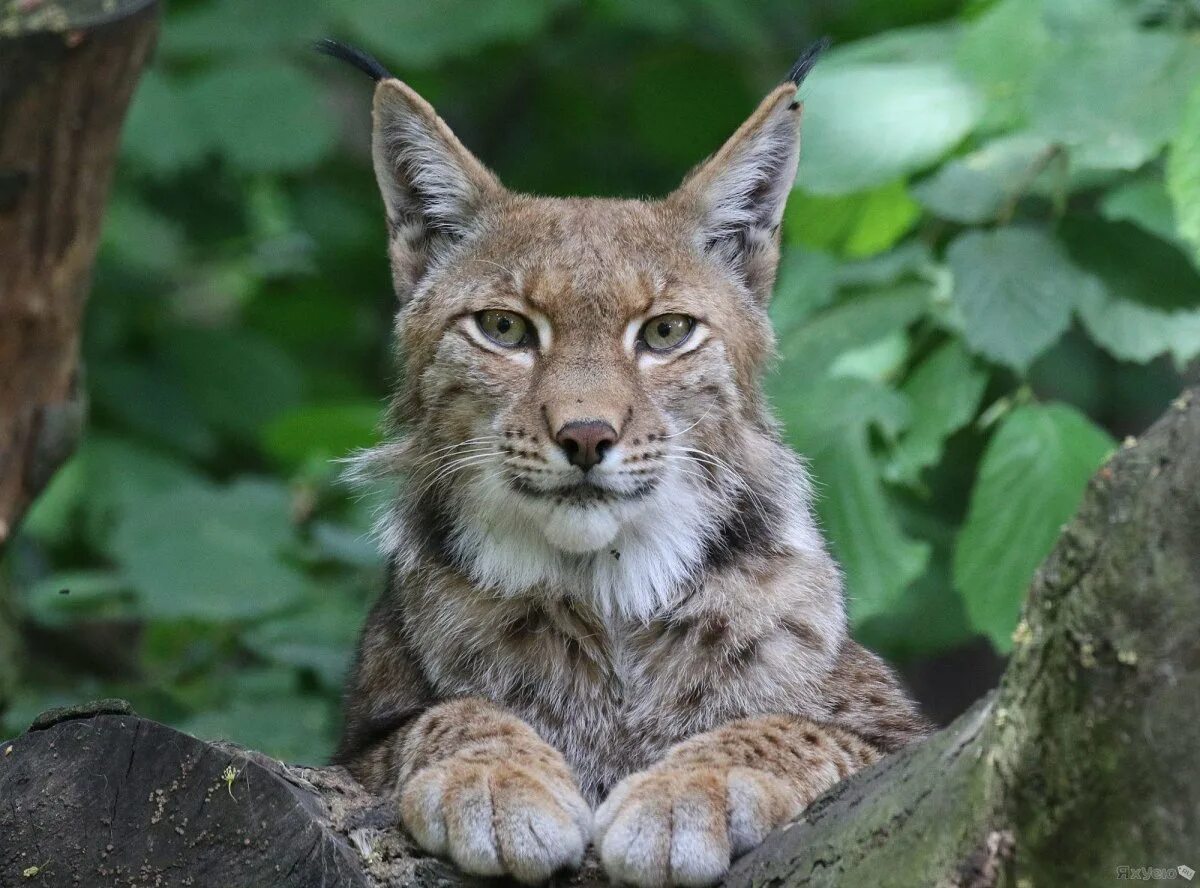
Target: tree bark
1083,762
67,71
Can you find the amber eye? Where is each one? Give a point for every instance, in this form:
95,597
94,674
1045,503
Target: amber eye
667,331
505,328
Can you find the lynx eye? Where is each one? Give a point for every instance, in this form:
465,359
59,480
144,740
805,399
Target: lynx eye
667,331
505,328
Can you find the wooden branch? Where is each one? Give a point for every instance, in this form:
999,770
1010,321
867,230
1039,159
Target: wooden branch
1082,762
67,72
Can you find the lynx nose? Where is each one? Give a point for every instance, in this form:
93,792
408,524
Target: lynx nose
585,443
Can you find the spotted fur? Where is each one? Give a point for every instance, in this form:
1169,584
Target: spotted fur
665,638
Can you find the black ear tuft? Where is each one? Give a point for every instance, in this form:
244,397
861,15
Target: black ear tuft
807,59
368,64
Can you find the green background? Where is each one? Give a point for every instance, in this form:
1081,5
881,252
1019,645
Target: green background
989,278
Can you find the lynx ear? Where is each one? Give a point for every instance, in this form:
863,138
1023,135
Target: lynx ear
737,196
432,185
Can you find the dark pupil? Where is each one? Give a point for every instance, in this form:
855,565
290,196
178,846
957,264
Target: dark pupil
503,324
664,329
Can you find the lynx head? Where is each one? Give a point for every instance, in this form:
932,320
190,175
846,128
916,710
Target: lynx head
580,409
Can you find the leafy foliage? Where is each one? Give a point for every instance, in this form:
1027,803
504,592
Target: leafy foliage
989,274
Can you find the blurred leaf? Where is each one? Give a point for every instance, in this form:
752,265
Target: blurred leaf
868,124
238,381
1016,288
1003,51
1113,99
150,402
140,237
819,415
210,554
291,727
62,598
1130,331
828,422
879,361
976,187
1031,480
119,475
855,225
234,27
863,320
944,391
1133,264
911,259
320,638
160,135
1144,202
351,546
805,284
1183,173
927,619
261,116
416,34
322,431
918,43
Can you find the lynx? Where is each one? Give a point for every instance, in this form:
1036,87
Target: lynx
610,615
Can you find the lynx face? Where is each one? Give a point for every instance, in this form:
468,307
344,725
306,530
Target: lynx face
581,404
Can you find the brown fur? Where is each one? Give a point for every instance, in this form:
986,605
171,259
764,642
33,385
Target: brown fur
667,642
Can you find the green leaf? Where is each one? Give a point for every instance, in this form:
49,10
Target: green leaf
804,285
912,259
1003,52
976,187
879,560
322,432
118,476
1016,288
423,34
320,638
863,320
151,402
828,422
1113,99
944,391
210,554
62,598
233,27
1183,173
1131,331
1031,480
1133,264
1144,202
821,414
261,116
855,225
868,124
291,727
141,238
160,135
238,381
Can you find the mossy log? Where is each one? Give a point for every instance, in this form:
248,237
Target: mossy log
1084,761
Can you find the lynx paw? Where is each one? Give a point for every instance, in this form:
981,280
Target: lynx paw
497,818
683,825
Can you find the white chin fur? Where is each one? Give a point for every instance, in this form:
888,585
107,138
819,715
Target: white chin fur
580,529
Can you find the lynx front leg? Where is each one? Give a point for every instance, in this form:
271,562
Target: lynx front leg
718,795
479,786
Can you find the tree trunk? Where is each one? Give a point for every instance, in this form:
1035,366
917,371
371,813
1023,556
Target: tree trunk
1083,762
67,71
